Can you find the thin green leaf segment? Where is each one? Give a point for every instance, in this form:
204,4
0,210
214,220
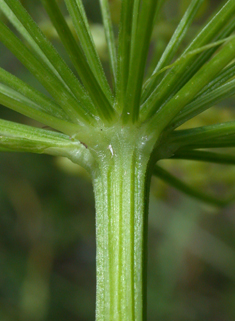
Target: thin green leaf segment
218,135
178,184
40,101
23,138
181,60
58,91
193,87
204,102
124,51
205,156
110,38
30,135
119,135
205,56
79,60
43,51
207,34
226,74
173,45
141,38
77,12
20,103
135,23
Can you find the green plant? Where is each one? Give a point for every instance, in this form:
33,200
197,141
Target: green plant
119,133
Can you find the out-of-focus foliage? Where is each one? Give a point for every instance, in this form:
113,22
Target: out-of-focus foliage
47,219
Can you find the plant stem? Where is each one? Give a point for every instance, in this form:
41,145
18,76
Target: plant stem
121,193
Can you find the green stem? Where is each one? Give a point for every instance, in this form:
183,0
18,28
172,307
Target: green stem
121,193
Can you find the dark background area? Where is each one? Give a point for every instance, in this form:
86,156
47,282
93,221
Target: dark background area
47,218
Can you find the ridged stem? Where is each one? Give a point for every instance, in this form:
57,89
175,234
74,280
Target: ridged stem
121,193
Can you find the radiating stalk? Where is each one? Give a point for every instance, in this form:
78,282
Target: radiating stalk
189,190
121,193
110,38
124,50
205,156
173,45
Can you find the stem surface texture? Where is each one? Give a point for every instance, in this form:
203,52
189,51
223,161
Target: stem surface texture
121,193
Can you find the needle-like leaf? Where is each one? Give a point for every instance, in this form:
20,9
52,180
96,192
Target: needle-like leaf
135,22
20,103
124,51
139,51
204,102
23,138
167,86
38,99
205,156
79,60
78,15
225,75
219,135
204,57
110,38
194,86
188,190
44,51
225,142
173,45
10,130
57,89
182,59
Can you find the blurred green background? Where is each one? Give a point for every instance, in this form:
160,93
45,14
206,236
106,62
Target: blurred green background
47,217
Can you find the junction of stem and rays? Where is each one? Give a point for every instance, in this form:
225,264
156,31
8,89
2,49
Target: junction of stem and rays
118,132
142,113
